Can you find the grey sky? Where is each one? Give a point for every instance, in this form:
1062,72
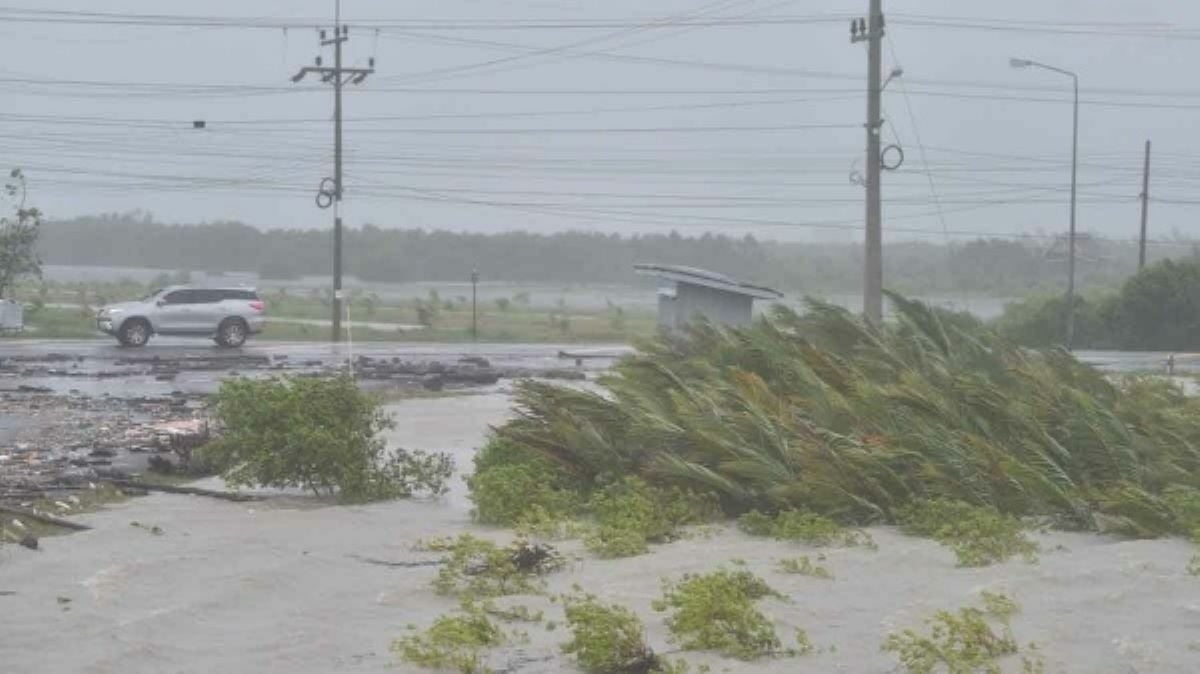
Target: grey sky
521,143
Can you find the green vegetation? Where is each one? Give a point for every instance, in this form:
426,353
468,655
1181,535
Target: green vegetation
318,434
452,642
964,642
819,414
803,527
19,234
804,566
978,535
478,569
716,611
1154,310
610,639
512,486
631,514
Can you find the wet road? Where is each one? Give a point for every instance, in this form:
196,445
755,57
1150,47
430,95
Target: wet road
97,367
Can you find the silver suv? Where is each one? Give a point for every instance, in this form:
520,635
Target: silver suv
227,315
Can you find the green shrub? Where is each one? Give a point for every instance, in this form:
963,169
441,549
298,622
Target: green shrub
979,536
452,642
804,566
820,412
964,642
803,527
318,434
512,487
716,611
475,568
609,638
630,514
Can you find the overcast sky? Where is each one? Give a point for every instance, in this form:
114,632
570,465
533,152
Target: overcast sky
734,116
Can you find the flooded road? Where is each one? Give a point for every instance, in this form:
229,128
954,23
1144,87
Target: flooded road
302,585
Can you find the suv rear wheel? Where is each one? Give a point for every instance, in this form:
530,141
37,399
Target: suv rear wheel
231,333
134,332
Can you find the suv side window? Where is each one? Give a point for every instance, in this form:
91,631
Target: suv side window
239,295
179,297
207,296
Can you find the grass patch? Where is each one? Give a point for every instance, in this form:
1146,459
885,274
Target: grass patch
963,642
716,612
979,536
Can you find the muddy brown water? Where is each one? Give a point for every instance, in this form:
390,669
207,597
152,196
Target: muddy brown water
284,585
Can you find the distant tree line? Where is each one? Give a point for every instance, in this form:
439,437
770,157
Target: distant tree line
995,267
1157,309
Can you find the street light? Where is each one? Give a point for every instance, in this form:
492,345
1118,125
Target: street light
1026,63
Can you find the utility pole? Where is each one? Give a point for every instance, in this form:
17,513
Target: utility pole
1145,208
474,312
871,32
327,195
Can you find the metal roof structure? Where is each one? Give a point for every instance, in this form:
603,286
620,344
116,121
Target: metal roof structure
707,279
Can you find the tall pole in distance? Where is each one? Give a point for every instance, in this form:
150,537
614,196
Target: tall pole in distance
1070,310
1071,243
871,31
474,313
338,39
1145,208
339,76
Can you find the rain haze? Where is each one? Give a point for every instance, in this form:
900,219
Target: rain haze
565,336
736,117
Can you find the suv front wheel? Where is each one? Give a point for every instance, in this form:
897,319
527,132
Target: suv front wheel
231,333
134,332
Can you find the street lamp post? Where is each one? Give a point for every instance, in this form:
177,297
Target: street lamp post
1026,63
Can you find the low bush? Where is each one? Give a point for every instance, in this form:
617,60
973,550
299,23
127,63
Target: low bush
609,639
803,527
319,434
963,642
716,611
514,487
979,536
475,568
630,514
452,642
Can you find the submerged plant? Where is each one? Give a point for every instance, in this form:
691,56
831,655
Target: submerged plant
804,566
803,527
716,611
452,642
979,536
476,568
630,514
610,639
963,642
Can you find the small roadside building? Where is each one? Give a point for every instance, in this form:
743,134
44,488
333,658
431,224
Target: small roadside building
687,292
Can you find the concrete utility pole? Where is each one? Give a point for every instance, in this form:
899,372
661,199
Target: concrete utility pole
339,77
871,32
1145,208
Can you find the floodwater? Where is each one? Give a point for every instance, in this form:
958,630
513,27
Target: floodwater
299,585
